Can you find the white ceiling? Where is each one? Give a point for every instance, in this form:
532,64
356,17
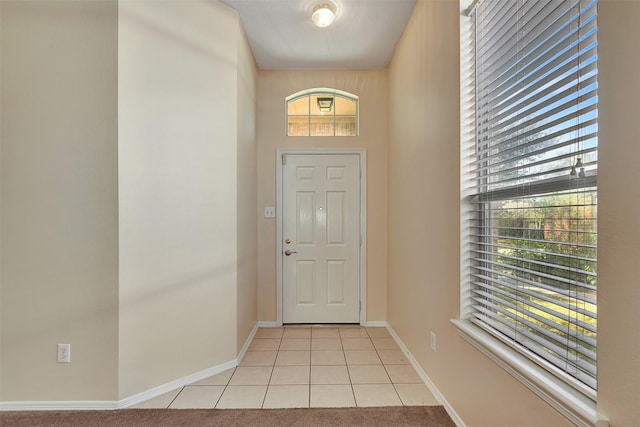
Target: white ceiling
363,35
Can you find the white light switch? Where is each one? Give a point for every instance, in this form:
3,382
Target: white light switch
269,212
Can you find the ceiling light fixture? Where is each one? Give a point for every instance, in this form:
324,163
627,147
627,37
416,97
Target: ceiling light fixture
323,15
325,104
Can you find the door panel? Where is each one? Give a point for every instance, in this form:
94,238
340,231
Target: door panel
305,225
335,282
304,281
321,221
335,217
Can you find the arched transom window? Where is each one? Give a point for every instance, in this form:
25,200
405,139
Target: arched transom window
322,112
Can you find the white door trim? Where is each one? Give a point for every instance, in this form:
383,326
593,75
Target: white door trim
363,221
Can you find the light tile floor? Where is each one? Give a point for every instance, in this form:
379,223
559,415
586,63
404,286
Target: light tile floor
309,366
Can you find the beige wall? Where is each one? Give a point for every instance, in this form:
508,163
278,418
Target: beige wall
619,204
424,279
124,115
424,212
371,87
59,281
178,105
247,197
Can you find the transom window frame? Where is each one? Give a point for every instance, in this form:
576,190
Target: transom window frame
319,91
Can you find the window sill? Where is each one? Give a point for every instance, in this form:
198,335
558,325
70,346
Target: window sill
575,406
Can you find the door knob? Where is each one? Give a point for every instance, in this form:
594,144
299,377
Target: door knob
287,241
288,252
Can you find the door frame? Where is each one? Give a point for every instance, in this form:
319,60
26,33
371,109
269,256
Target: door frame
362,153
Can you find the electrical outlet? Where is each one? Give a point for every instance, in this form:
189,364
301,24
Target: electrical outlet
64,353
433,341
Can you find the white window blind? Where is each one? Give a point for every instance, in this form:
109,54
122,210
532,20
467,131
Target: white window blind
532,177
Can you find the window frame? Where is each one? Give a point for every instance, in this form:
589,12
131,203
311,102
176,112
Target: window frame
571,398
323,91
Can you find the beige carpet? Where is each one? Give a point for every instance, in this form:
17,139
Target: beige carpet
432,416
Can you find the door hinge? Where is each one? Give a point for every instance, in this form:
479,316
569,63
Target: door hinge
360,306
284,159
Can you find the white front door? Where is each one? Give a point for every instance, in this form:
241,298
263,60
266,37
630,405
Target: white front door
321,238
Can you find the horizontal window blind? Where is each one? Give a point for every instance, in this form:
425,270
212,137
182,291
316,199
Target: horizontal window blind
533,180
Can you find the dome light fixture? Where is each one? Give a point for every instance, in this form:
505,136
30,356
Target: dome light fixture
323,15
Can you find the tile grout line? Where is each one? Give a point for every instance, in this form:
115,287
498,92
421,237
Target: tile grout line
346,364
387,371
264,398
174,399
225,388
309,397
399,397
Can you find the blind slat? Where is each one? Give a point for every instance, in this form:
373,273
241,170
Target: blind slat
490,283
542,99
554,51
558,365
501,40
528,329
536,263
581,341
497,66
551,242
546,350
538,274
532,226
566,111
530,134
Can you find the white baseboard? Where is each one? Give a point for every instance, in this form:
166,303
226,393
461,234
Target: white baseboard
172,385
267,324
376,324
247,342
88,405
427,381
157,391
91,405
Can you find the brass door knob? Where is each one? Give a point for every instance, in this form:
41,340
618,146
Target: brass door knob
287,241
288,253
